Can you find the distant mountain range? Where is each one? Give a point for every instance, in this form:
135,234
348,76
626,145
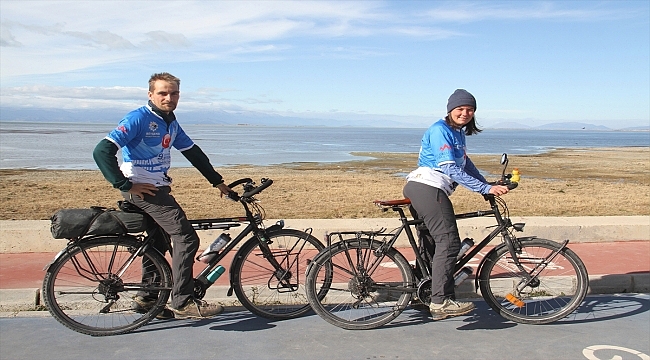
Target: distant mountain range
188,117
258,119
563,126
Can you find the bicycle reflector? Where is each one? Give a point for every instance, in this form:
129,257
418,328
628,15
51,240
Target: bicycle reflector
514,300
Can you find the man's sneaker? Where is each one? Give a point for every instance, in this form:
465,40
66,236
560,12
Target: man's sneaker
197,309
142,306
450,308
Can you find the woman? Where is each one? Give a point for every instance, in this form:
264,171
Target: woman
442,165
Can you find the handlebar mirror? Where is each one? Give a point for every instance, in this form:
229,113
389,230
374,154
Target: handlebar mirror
504,162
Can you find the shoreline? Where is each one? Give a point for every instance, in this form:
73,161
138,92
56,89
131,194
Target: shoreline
367,155
565,182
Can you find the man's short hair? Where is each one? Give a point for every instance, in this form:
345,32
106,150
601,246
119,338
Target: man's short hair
163,76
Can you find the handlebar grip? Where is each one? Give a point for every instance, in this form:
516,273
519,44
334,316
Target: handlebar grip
510,184
265,183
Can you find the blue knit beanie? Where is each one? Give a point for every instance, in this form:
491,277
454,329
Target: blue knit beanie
460,97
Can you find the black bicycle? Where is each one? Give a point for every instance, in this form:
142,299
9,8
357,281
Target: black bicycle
90,285
369,282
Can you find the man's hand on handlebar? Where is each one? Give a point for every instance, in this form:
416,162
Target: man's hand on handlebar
498,190
225,190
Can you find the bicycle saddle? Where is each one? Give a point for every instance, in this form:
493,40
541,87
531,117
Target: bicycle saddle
129,207
400,202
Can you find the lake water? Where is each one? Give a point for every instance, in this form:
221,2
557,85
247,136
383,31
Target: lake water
70,146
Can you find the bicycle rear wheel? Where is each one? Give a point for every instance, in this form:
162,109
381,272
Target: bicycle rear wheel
90,288
366,288
269,292
557,288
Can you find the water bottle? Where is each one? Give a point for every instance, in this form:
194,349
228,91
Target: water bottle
464,246
215,273
515,175
462,275
214,248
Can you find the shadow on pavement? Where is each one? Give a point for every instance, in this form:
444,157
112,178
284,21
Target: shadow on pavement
228,321
593,309
603,308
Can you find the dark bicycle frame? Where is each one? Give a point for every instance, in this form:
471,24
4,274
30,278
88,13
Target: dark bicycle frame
423,261
201,283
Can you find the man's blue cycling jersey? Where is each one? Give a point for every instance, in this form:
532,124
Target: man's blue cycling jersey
146,140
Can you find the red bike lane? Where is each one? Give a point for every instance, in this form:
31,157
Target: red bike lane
25,270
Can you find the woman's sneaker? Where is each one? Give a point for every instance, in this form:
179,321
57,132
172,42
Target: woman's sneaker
197,309
450,308
142,306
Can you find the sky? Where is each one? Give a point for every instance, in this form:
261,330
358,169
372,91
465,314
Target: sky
531,62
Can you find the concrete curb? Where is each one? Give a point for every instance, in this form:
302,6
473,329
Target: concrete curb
20,236
28,302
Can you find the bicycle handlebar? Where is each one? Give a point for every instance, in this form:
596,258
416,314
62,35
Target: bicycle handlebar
265,183
249,189
240,181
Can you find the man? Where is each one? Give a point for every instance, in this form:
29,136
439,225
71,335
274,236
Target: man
146,136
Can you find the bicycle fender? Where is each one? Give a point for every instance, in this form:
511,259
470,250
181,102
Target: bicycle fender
238,255
56,257
72,245
275,227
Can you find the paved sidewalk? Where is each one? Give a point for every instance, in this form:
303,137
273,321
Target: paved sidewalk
613,267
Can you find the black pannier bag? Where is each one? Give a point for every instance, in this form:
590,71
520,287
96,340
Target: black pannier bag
73,223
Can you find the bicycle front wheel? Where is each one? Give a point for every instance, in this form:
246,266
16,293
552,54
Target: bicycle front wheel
551,288
270,292
90,288
366,287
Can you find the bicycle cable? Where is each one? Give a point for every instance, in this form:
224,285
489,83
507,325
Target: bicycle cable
503,207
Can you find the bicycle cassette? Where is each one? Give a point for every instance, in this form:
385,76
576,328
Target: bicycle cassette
424,291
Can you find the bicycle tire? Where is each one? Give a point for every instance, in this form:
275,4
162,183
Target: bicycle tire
556,291
255,282
364,291
77,300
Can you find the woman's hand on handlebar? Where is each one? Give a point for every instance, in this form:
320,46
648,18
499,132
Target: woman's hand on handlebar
498,190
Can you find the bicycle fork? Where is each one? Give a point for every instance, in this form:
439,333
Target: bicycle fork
283,274
530,277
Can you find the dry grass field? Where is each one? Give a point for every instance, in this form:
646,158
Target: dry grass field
565,182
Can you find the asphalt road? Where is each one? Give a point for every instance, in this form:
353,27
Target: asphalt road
604,327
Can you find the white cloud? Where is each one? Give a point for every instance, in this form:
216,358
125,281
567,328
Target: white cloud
41,96
523,11
103,38
61,42
99,32
162,39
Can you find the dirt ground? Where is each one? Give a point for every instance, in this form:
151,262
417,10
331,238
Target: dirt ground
565,182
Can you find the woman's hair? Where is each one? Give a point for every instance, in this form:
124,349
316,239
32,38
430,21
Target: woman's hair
470,129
